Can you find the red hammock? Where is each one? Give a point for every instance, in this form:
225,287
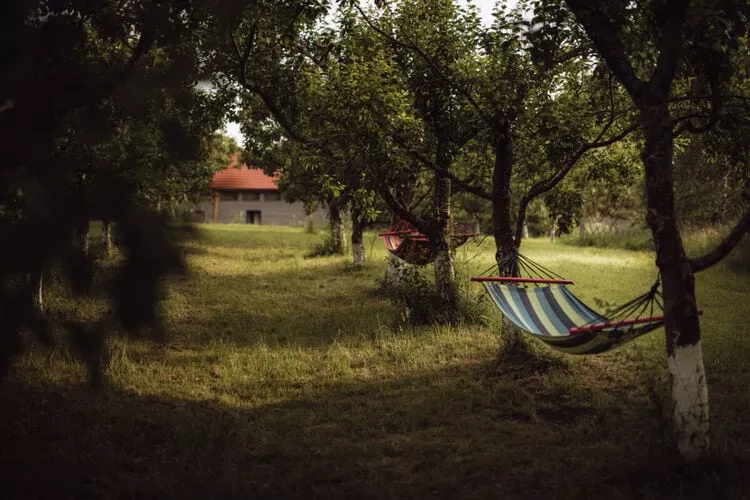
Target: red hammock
408,244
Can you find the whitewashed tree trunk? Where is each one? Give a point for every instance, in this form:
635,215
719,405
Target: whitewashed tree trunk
358,249
107,237
513,338
81,240
395,270
310,227
39,293
525,231
681,318
445,277
339,236
690,399
440,241
336,226
34,279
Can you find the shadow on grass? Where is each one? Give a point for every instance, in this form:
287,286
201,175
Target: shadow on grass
453,433
306,307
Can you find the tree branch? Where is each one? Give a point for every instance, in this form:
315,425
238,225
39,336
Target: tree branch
707,97
684,123
571,54
605,36
463,184
739,119
145,42
438,71
669,50
265,95
545,185
549,183
404,213
416,203
724,248
243,58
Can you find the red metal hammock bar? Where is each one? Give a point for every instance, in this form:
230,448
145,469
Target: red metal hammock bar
625,322
511,279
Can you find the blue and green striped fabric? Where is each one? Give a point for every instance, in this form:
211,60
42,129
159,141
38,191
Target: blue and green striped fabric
549,312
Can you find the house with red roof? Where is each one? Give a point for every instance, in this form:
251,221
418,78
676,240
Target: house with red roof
247,195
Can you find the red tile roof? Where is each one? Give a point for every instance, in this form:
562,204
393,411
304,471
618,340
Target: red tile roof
243,177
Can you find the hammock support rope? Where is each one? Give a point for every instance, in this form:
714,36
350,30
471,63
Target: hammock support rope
543,306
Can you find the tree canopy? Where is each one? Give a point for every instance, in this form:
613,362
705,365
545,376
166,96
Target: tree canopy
103,117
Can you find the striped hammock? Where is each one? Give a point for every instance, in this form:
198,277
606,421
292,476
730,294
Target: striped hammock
554,315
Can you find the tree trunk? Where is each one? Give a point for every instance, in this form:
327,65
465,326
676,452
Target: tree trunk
552,231
395,270
81,237
690,399
39,293
336,227
525,231
310,225
107,237
502,228
358,249
684,356
513,339
445,278
445,274
35,280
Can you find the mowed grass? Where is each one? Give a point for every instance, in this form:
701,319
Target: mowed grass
287,377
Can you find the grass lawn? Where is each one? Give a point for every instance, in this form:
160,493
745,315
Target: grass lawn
291,377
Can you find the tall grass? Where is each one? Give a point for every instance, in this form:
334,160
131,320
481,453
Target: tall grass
637,240
701,241
286,377
697,242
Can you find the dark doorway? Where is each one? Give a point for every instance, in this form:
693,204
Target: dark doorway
252,217
197,216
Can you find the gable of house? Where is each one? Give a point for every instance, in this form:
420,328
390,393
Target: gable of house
248,195
242,178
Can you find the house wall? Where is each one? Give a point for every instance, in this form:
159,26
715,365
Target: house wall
273,212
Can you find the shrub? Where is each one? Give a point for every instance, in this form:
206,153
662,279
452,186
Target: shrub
329,246
697,242
631,240
739,259
415,295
